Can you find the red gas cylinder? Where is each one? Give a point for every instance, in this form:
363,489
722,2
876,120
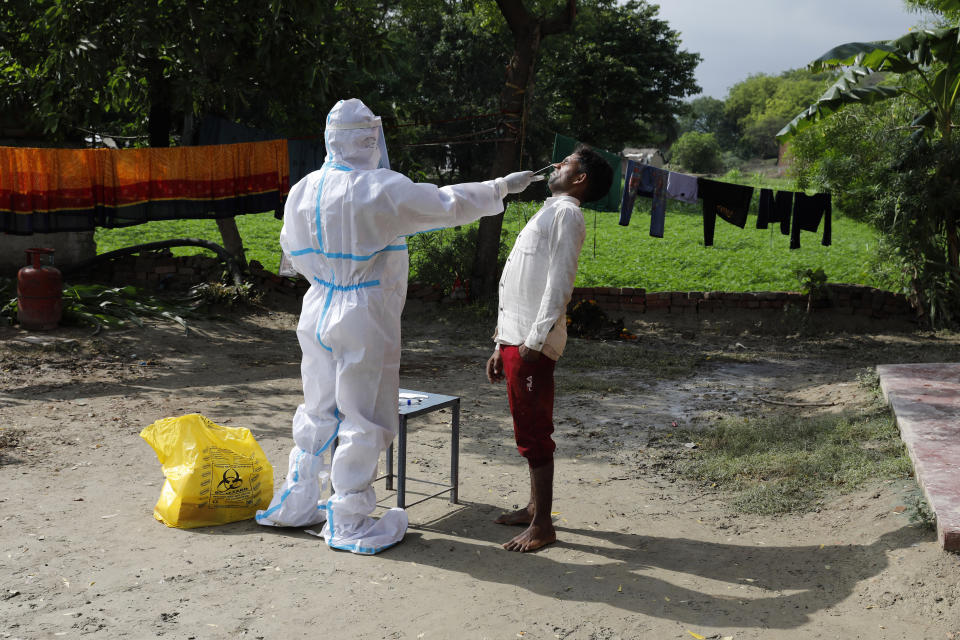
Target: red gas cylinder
39,292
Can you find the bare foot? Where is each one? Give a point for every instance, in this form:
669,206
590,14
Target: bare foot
520,516
533,538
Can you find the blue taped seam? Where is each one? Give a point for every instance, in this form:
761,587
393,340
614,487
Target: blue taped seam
326,168
335,254
349,256
323,314
346,287
336,432
316,211
326,304
296,478
296,470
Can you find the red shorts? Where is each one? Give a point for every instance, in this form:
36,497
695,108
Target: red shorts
530,392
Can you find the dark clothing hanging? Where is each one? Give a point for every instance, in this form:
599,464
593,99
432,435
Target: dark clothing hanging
650,182
658,207
775,208
631,187
807,212
729,201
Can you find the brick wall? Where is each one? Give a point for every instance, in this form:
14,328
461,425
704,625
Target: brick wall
157,270
161,270
844,299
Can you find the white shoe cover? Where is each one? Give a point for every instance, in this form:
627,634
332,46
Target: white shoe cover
297,503
365,535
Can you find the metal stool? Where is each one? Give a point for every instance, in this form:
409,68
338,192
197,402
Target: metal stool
432,402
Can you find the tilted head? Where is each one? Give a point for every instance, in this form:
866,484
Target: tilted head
584,174
354,136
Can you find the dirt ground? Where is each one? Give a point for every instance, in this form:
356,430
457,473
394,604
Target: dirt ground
640,554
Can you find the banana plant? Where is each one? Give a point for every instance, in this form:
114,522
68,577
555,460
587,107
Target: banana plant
932,54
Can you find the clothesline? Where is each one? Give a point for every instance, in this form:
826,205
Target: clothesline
46,190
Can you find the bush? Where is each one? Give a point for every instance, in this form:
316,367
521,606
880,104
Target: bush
908,189
697,152
440,257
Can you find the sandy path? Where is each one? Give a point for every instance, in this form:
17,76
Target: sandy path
640,555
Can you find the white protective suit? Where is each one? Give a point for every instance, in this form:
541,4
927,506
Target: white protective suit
344,229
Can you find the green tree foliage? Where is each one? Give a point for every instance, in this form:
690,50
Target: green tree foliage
449,64
617,80
851,153
949,9
762,104
919,209
707,114
127,65
697,152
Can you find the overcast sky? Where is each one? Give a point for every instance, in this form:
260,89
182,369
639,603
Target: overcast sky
737,38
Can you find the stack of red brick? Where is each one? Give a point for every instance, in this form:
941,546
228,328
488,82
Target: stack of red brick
845,299
158,269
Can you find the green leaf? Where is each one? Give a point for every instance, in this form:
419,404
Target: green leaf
845,91
927,119
907,53
868,55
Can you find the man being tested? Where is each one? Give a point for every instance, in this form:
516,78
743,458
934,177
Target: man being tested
535,287
345,228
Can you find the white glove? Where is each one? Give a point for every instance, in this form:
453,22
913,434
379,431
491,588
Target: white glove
517,182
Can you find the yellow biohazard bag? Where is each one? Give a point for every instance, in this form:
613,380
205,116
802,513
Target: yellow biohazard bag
214,474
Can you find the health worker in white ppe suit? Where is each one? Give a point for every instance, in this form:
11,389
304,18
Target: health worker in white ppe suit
344,229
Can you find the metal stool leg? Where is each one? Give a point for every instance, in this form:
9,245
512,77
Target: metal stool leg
390,467
455,452
402,464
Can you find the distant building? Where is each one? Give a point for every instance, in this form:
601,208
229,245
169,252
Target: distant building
784,161
651,156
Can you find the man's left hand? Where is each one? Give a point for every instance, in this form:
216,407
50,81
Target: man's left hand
527,354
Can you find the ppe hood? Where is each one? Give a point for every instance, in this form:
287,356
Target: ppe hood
354,136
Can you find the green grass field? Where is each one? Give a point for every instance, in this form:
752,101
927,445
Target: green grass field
747,259
260,233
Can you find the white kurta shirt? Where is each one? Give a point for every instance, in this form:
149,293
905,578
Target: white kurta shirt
537,280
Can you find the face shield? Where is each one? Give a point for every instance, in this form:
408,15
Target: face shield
353,135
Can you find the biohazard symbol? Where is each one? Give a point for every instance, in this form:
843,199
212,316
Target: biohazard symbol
231,480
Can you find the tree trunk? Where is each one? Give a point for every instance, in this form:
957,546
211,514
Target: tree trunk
953,247
159,119
232,241
527,34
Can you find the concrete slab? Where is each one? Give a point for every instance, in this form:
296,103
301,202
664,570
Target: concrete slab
926,402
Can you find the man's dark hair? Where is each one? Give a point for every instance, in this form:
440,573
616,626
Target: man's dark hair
598,170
